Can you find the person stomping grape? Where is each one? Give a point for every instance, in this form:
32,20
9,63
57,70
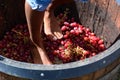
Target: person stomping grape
37,12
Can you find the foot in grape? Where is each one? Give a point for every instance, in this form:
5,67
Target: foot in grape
51,26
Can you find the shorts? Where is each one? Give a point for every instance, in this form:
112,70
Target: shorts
39,5
83,1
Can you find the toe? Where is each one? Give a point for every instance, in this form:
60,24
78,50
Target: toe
58,35
52,37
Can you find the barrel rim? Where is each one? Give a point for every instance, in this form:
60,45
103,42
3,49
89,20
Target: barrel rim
53,72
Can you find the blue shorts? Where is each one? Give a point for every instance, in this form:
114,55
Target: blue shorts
39,5
83,1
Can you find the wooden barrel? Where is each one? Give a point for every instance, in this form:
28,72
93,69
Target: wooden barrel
101,16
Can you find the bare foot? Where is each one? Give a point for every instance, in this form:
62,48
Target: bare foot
36,56
51,26
44,57
39,55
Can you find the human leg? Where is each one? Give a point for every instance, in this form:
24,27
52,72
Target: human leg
51,24
34,20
